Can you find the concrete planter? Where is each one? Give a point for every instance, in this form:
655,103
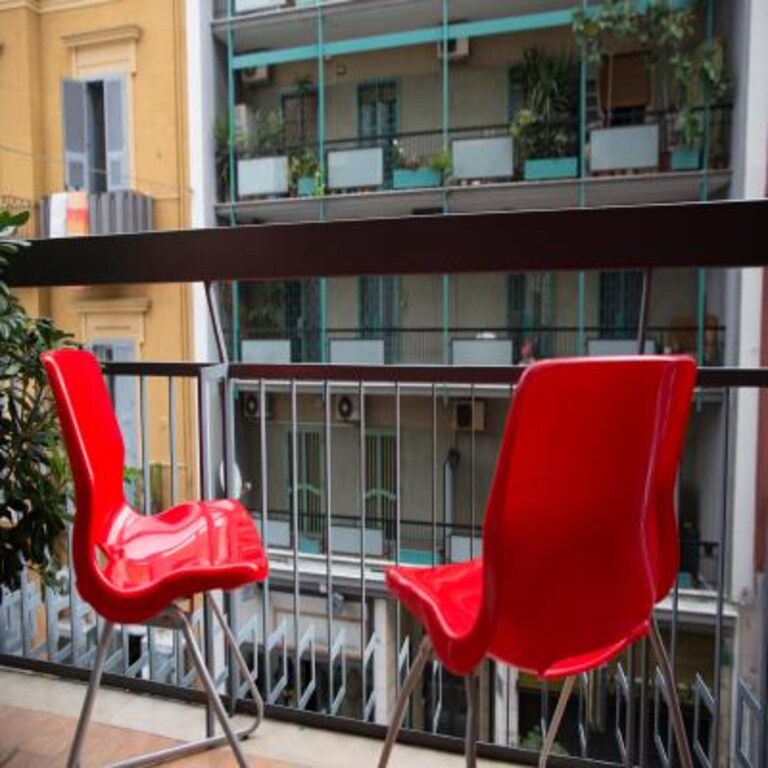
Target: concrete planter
551,168
628,147
262,176
411,178
686,160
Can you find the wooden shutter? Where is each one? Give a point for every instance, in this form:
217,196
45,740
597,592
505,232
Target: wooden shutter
116,132
75,130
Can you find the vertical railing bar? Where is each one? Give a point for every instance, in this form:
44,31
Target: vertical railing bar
202,415
265,533
673,640
230,597
472,507
398,531
329,538
721,586
362,485
434,475
144,443
295,515
631,743
643,726
172,439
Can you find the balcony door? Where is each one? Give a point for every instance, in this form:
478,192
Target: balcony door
379,316
530,312
377,119
620,296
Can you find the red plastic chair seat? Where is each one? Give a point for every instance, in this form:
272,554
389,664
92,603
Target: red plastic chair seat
190,548
446,600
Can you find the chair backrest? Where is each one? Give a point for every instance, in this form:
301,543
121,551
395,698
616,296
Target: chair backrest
95,449
579,533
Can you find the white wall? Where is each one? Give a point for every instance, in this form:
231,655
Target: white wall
750,137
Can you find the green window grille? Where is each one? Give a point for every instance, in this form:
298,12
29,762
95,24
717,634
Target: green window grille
300,119
381,482
378,118
620,297
309,463
530,311
379,300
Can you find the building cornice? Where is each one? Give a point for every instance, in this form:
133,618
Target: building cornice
49,6
126,33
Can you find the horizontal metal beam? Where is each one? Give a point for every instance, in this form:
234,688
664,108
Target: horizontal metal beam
711,234
485,28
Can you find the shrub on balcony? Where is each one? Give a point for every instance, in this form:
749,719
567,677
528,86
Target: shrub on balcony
306,177
544,129
34,476
413,171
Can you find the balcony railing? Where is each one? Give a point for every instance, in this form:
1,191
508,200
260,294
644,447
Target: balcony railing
427,346
474,155
317,630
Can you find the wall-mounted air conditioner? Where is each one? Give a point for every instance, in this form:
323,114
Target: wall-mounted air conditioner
346,408
468,415
253,408
453,49
254,75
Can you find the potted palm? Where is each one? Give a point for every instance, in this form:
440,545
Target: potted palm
305,174
544,128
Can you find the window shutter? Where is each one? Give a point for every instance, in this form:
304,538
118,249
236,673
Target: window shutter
75,130
116,129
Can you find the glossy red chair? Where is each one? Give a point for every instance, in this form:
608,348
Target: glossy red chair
579,538
134,568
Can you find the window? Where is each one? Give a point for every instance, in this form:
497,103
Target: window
94,115
379,298
380,482
300,118
309,462
377,119
620,296
529,305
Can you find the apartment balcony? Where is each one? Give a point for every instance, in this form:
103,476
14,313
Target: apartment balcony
482,170
349,468
98,213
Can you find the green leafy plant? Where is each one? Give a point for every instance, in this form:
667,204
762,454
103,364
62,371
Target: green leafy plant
441,162
534,740
401,159
267,136
34,475
545,126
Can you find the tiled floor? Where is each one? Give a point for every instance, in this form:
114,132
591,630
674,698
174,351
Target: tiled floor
38,715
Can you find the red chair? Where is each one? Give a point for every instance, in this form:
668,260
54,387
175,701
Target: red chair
579,539
134,568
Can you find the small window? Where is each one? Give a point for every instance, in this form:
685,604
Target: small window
94,117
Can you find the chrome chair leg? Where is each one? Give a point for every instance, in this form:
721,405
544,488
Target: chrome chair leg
73,761
422,657
673,700
554,725
472,685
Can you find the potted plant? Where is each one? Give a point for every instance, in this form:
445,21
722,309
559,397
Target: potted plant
701,78
544,128
305,174
34,474
262,168
662,29
411,172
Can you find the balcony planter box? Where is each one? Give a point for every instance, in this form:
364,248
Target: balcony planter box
551,168
628,147
686,160
305,186
410,178
356,168
482,158
262,176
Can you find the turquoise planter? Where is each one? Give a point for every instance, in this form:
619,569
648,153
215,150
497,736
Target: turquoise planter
305,187
686,160
551,168
407,178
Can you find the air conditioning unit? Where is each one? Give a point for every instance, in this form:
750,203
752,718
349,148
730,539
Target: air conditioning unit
252,406
469,415
254,75
453,49
346,408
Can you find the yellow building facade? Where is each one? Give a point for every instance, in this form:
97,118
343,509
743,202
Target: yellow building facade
93,99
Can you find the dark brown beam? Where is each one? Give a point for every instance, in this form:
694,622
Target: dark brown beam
712,234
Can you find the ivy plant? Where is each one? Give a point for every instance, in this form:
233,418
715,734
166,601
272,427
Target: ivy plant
34,475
